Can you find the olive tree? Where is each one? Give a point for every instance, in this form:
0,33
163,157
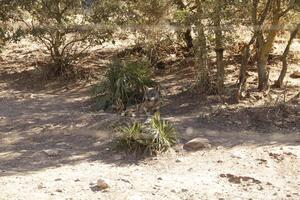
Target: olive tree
65,28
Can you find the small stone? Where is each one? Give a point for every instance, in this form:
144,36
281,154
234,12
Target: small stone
184,190
40,186
197,144
178,160
235,156
159,178
219,147
61,144
68,133
174,191
102,185
58,179
295,74
77,180
58,190
51,152
117,157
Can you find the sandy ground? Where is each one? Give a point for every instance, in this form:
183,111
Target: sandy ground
53,146
243,172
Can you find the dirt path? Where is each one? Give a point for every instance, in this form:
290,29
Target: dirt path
52,146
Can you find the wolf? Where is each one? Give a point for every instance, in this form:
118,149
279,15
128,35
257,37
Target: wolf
152,100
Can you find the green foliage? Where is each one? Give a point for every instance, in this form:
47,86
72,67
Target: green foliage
156,136
125,83
133,139
65,28
163,134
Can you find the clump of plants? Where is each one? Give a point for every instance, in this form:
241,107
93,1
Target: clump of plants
124,84
150,138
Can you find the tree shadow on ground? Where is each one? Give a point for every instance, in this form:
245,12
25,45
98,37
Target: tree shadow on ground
78,135
209,117
61,120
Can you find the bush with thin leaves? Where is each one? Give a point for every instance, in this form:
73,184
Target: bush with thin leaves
150,138
125,83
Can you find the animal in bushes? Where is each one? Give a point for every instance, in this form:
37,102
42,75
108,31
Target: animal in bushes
152,100
151,103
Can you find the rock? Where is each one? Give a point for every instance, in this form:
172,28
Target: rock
235,155
40,186
58,190
296,74
197,144
58,179
117,157
178,160
184,190
219,148
62,144
51,152
67,133
102,185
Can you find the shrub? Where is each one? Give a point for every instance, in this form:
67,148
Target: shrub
66,29
125,83
150,138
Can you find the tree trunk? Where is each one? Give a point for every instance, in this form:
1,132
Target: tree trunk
264,45
243,68
188,39
187,34
279,82
219,46
264,49
203,78
263,74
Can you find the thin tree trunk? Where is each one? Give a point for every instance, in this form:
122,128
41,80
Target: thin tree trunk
243,68
219,47
203,78
279,82
187,34
188,39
